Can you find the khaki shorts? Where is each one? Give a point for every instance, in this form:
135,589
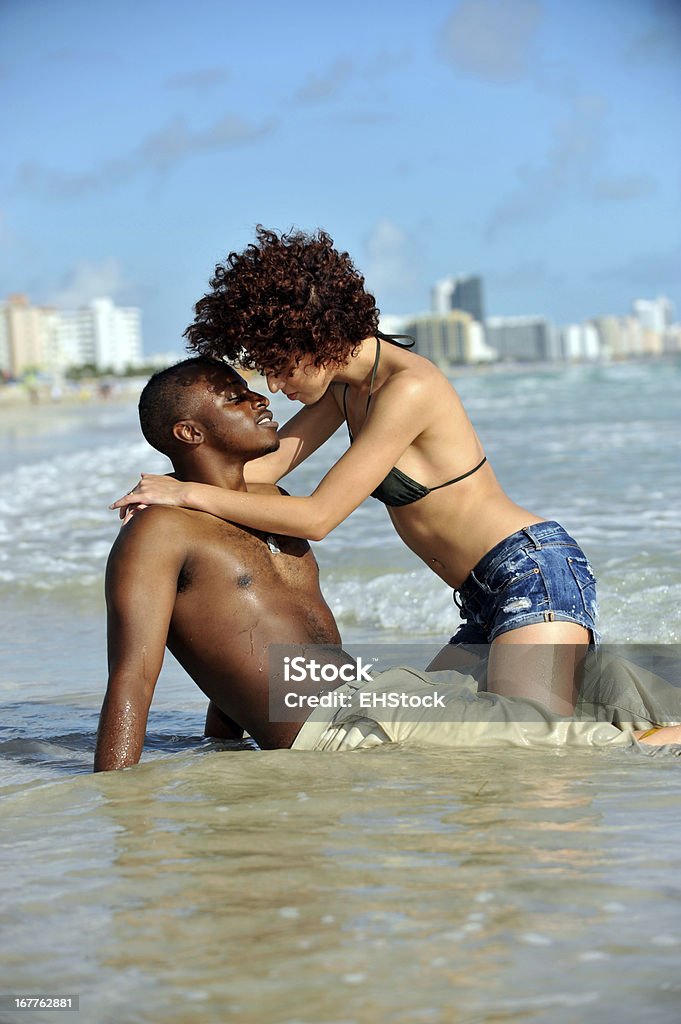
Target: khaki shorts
617,698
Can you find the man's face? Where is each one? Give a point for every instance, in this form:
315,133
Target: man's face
234,419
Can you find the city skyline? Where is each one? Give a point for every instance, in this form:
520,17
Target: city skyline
99,334
52,340
532,142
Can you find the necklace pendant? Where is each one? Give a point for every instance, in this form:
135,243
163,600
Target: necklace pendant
272,544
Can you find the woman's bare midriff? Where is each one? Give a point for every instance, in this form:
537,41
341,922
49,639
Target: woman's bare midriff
452,529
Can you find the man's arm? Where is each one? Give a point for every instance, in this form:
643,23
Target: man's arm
141,586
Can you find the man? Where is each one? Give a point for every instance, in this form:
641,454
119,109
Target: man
219,595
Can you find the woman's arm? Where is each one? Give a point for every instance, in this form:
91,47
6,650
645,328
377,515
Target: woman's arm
399,413
300,436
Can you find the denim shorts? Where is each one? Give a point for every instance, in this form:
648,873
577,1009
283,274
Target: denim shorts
539,574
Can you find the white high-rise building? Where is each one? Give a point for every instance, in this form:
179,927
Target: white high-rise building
5,362
26,336
105,335
464,292
40,338
525,338
390,324
579,342
445,340
76,338
655,314
441,296
118,342
480,351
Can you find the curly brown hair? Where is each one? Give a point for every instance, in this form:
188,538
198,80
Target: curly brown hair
282,298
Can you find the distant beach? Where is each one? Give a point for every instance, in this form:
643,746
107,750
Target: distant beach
18,395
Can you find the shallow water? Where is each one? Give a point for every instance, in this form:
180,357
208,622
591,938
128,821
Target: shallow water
217,884
390,884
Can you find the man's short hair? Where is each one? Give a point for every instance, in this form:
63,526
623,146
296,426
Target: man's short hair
166,399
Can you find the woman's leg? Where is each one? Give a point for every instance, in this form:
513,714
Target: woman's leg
543,661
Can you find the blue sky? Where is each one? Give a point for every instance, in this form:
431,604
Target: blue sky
537,142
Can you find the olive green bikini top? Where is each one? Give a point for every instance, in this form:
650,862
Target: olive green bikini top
397,488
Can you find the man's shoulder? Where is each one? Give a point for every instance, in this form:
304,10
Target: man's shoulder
152,516
157,526
169,527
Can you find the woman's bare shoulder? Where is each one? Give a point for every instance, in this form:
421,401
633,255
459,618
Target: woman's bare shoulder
416,378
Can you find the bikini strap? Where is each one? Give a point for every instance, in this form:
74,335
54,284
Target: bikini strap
373,372
393,339
379,336
463,476
345,411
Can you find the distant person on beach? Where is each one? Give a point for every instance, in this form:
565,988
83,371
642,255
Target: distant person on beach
296,309
218,595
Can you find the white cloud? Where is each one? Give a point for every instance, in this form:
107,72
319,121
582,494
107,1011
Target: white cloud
567,168
160,151
319,88
391,262
623,189
491,38
87,281
661,40
200,80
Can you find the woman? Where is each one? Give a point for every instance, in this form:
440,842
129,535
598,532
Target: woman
294,308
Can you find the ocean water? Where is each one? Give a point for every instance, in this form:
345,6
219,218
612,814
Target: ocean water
216,884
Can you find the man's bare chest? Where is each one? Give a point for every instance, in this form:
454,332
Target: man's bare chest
243,559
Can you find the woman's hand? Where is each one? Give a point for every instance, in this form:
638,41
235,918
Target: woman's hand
126,514
152,490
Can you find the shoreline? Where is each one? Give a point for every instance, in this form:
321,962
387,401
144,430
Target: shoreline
22,418
105,391
91,392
